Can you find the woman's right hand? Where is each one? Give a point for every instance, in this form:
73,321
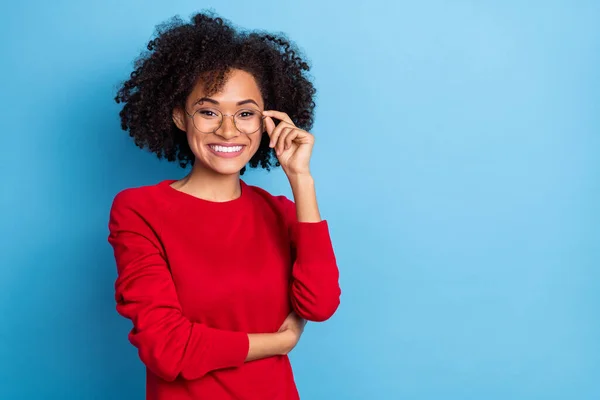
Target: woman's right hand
291,329
263,345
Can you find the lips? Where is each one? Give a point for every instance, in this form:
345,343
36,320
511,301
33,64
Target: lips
226,150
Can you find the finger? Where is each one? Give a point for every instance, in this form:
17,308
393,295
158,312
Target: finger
291,133
289,138
282,137
279,115
269,125
284,325
286,322
276,132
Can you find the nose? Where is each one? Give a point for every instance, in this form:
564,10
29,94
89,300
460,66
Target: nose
227,130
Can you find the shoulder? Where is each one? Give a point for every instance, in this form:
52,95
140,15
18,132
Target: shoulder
140,199
135,218
280,203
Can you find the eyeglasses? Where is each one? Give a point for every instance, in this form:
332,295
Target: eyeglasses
209,120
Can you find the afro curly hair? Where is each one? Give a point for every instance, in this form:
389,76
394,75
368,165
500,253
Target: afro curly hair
208,47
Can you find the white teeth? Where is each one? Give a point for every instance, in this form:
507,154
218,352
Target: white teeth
228,149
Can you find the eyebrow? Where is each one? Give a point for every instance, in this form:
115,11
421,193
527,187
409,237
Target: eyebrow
239,103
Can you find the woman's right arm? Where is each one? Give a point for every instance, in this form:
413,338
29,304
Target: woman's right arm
263,345
168,343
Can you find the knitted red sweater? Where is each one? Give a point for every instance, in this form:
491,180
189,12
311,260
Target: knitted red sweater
195,277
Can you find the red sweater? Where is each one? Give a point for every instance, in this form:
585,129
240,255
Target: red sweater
195,277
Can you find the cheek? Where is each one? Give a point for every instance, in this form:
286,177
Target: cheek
196,142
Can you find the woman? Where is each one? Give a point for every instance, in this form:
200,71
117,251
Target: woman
218,276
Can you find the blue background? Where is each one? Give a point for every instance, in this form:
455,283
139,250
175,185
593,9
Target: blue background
456,160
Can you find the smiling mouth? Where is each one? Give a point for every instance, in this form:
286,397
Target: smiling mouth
226,151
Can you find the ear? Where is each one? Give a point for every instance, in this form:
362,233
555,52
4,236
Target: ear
178,116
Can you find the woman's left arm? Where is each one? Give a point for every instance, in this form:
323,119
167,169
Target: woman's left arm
315,290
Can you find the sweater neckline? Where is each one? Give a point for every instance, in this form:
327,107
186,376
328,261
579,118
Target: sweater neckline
182,196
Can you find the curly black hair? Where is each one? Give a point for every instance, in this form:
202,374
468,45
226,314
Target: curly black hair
209,47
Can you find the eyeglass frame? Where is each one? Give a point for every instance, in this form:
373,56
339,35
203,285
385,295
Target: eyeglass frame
262,117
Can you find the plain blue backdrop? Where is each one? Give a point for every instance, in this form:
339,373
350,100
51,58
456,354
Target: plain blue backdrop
456,161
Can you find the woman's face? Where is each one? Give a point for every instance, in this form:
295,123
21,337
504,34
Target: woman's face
225,150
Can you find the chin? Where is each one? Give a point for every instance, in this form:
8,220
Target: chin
227,170
224,167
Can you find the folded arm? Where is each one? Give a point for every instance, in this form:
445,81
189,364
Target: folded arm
170,344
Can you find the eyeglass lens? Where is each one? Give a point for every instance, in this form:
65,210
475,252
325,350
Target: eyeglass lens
208,120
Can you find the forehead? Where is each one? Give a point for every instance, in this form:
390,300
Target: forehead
239,85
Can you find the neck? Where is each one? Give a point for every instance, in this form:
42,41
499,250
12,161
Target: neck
206,184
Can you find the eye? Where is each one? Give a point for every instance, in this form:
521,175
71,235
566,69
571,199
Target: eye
246,114
207,113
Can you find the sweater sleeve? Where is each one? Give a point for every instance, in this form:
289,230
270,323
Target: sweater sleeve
315,290
168,343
